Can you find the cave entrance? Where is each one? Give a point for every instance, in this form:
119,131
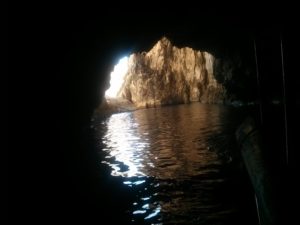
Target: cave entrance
162,150
117,78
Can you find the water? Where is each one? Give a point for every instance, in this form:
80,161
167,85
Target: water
179,164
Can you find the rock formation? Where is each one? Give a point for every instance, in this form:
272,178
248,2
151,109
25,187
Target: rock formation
170,75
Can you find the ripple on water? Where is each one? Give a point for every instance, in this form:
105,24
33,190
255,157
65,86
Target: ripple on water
165,157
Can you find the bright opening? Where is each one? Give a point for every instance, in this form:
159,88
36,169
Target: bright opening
117,78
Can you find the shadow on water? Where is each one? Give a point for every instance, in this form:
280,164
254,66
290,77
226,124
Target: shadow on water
176,165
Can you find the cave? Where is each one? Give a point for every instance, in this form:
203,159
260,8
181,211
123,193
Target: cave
152,113
168,75
157,83
247,68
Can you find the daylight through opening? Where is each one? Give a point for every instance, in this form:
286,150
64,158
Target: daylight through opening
117,77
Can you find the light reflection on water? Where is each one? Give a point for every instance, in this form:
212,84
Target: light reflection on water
161,142
165,156
124,145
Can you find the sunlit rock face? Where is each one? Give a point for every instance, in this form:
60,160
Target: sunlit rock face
170,75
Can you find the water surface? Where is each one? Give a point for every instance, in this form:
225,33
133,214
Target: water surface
177,162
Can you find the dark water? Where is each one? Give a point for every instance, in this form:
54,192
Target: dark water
179,163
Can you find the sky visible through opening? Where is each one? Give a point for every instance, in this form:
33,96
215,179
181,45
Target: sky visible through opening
117,77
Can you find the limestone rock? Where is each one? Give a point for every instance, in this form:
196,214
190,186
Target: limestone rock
170,75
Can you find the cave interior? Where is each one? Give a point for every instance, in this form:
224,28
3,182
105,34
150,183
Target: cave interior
86,46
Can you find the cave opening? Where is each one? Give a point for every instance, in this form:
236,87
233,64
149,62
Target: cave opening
167,75
164,145
183,138
194,101
117,78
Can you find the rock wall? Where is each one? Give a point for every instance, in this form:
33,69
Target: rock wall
170,75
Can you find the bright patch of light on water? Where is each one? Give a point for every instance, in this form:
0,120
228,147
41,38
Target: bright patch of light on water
156,212
139,212
125,147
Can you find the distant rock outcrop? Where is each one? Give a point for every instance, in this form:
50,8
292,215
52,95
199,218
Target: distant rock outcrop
170,75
